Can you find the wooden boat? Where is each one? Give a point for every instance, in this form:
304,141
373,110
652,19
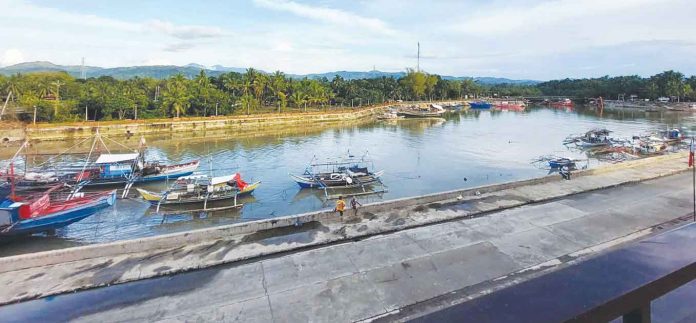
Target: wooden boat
561,162
50,210
352,174
480,105
565,103
200,189
116,169
647,147
509,105
594,138
431,111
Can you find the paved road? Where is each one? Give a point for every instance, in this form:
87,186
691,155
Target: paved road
366,278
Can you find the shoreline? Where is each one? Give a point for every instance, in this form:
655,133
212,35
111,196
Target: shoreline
127,128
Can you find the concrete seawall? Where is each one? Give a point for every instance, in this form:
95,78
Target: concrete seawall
162,242
165,126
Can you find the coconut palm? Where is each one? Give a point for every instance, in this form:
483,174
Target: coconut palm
175,95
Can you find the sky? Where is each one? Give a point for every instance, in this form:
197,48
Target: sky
520,39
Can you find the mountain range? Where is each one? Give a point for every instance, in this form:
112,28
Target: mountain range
191,70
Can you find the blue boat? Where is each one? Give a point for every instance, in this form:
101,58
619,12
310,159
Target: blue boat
480,105
561,162
116,169
48,211
4,190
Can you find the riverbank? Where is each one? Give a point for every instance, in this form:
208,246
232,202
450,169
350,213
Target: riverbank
253,122
60,271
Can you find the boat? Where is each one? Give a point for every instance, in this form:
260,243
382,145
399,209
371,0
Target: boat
201,189
509,105
431,111
561,162
594,138
564,103
480,105
339,174
5,190
649,147
49,210
117,169
670,136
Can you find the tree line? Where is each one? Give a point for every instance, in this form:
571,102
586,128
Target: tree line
57,96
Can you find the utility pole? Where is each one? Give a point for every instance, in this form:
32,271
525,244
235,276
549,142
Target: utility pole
418,59
135,112
86,118
83,75
216,106
34,115
9,95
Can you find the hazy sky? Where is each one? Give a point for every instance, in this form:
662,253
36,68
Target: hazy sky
531,39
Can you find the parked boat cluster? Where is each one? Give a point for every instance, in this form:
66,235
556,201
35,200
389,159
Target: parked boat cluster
52,195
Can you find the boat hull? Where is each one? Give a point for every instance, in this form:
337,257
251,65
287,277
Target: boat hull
60,219
155,198
309,182
175,172
480,105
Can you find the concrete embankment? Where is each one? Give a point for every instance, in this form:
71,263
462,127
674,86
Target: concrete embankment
49,131
65,270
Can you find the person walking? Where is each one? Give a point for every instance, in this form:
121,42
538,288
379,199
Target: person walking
354,205
340,206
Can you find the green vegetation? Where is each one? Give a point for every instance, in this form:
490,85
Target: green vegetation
667,84
58,96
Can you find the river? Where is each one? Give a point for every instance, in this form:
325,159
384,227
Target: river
466,149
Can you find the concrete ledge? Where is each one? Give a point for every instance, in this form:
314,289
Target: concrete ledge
152,244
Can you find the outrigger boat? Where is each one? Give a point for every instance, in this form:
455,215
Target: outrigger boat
592,138
116,169
201,189
431,111
349,173
50,210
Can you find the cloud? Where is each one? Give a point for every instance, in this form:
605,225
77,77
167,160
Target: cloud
184,31
11,56
178,47
327,15
510,19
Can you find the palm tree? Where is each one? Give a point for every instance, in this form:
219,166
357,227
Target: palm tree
176,95
279,85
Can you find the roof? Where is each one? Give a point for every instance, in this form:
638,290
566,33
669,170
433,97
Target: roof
115,158
222,179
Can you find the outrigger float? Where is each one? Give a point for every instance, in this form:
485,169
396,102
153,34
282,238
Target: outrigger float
342,174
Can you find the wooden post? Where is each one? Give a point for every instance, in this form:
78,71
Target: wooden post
34,115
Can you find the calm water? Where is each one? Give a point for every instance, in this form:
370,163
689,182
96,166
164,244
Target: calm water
466,149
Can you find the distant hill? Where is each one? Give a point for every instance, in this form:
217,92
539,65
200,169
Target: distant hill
376,74
191,70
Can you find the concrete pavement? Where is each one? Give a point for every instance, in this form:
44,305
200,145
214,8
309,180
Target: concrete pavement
365,278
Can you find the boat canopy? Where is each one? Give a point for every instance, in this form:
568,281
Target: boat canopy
115,158
223,179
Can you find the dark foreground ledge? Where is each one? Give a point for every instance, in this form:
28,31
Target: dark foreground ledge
619,283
